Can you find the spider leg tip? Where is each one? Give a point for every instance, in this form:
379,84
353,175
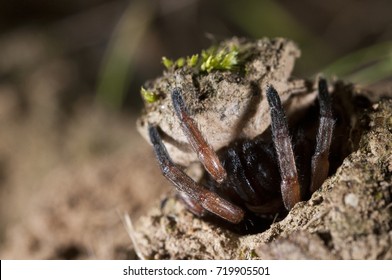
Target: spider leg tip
322,83
273,97
270,88
176,91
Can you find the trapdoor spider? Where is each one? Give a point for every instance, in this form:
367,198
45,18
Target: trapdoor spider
242,179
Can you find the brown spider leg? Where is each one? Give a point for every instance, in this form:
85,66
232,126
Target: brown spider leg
205,153
192,205
320,162
183,183
289,186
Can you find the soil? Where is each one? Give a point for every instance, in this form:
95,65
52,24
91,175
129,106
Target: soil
74,206
69,171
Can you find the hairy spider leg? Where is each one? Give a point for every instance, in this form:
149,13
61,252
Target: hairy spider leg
184,184
320,161
289,185
205,153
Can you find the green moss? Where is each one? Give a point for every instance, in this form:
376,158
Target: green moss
168,63
148,95
221,59
225,59
192,61
180,62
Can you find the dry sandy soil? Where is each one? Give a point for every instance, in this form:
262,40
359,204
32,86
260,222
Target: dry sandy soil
67,175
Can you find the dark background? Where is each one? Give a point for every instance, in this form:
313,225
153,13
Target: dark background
116,45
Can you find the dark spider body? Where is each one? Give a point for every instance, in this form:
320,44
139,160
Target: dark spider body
242,179
252,174
253,169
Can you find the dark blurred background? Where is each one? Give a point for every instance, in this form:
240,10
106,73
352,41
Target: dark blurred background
115,45
71,161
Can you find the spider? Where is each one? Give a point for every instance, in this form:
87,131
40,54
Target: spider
259,176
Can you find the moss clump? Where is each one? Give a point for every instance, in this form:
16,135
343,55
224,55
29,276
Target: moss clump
192,61
148,95
169,63
225,59
221,59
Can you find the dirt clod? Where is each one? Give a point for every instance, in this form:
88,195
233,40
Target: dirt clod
225,104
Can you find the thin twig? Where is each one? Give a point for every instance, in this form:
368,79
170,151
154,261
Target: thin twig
126,219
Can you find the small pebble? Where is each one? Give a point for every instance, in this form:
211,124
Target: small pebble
351,199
